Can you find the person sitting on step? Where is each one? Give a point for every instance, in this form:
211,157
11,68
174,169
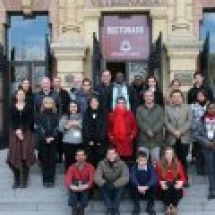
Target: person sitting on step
143,181
171,179
111,176
79,180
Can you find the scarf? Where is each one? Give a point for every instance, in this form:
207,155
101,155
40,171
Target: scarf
119,127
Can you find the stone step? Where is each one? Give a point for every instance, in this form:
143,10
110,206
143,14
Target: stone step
36,200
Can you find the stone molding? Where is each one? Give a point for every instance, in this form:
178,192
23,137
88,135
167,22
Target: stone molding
69,46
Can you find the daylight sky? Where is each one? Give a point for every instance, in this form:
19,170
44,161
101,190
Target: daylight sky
28,36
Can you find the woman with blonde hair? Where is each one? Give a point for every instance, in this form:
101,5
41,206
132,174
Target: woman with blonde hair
171,179
47,127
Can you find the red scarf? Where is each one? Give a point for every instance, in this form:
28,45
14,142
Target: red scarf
210,117
119,127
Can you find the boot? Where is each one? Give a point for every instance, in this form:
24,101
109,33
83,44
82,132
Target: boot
150,208
74,211
16,183
24,177
168,210
136,210
174,211
81,210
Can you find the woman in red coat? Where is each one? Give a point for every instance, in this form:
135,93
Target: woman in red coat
122,129
171,178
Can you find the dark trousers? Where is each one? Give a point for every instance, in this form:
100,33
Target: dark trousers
70,152
48,161
60,147
95,154
112,197
78,199
149,196
199,157
171,196
182,151
209,155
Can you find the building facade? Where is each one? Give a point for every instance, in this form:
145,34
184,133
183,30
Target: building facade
160,37
125,31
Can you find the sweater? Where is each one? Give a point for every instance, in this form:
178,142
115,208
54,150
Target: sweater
143,177
169,176
84,175
72,135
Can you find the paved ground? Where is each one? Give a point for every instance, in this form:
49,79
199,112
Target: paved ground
36,200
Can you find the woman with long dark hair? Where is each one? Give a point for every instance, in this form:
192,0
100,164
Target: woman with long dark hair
21,147
71,127
26,87
171,180
152,84
94,131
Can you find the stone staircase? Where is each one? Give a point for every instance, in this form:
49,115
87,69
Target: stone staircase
36,200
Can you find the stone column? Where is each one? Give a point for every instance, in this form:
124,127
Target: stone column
69,49
180,20
183,46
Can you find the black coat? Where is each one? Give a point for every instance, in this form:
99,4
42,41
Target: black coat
133,98
94,127
47,125
21,119
64,100
192,93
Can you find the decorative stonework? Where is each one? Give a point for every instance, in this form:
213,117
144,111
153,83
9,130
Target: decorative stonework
125,3
30,6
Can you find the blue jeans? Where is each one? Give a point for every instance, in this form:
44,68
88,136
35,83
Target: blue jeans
112,197
78,198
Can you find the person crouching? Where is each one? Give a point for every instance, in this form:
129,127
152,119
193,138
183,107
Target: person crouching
79,180
143,181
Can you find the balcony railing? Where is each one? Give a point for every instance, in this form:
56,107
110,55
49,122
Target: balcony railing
125,3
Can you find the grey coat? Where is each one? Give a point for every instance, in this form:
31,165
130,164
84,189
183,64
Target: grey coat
72,135
118,174
200,135
182,122
153,120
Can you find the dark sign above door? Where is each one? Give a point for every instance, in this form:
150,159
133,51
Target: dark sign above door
125,37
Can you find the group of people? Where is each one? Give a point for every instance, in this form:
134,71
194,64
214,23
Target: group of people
101,131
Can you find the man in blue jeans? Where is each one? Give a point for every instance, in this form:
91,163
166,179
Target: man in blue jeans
111,176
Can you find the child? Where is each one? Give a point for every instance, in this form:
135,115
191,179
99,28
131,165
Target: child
47,128
79,180
143,180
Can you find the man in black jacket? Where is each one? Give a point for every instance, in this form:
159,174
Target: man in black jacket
63,94
64,99
199,85
121,89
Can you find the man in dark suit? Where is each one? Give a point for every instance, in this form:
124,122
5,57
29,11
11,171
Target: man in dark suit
63,103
